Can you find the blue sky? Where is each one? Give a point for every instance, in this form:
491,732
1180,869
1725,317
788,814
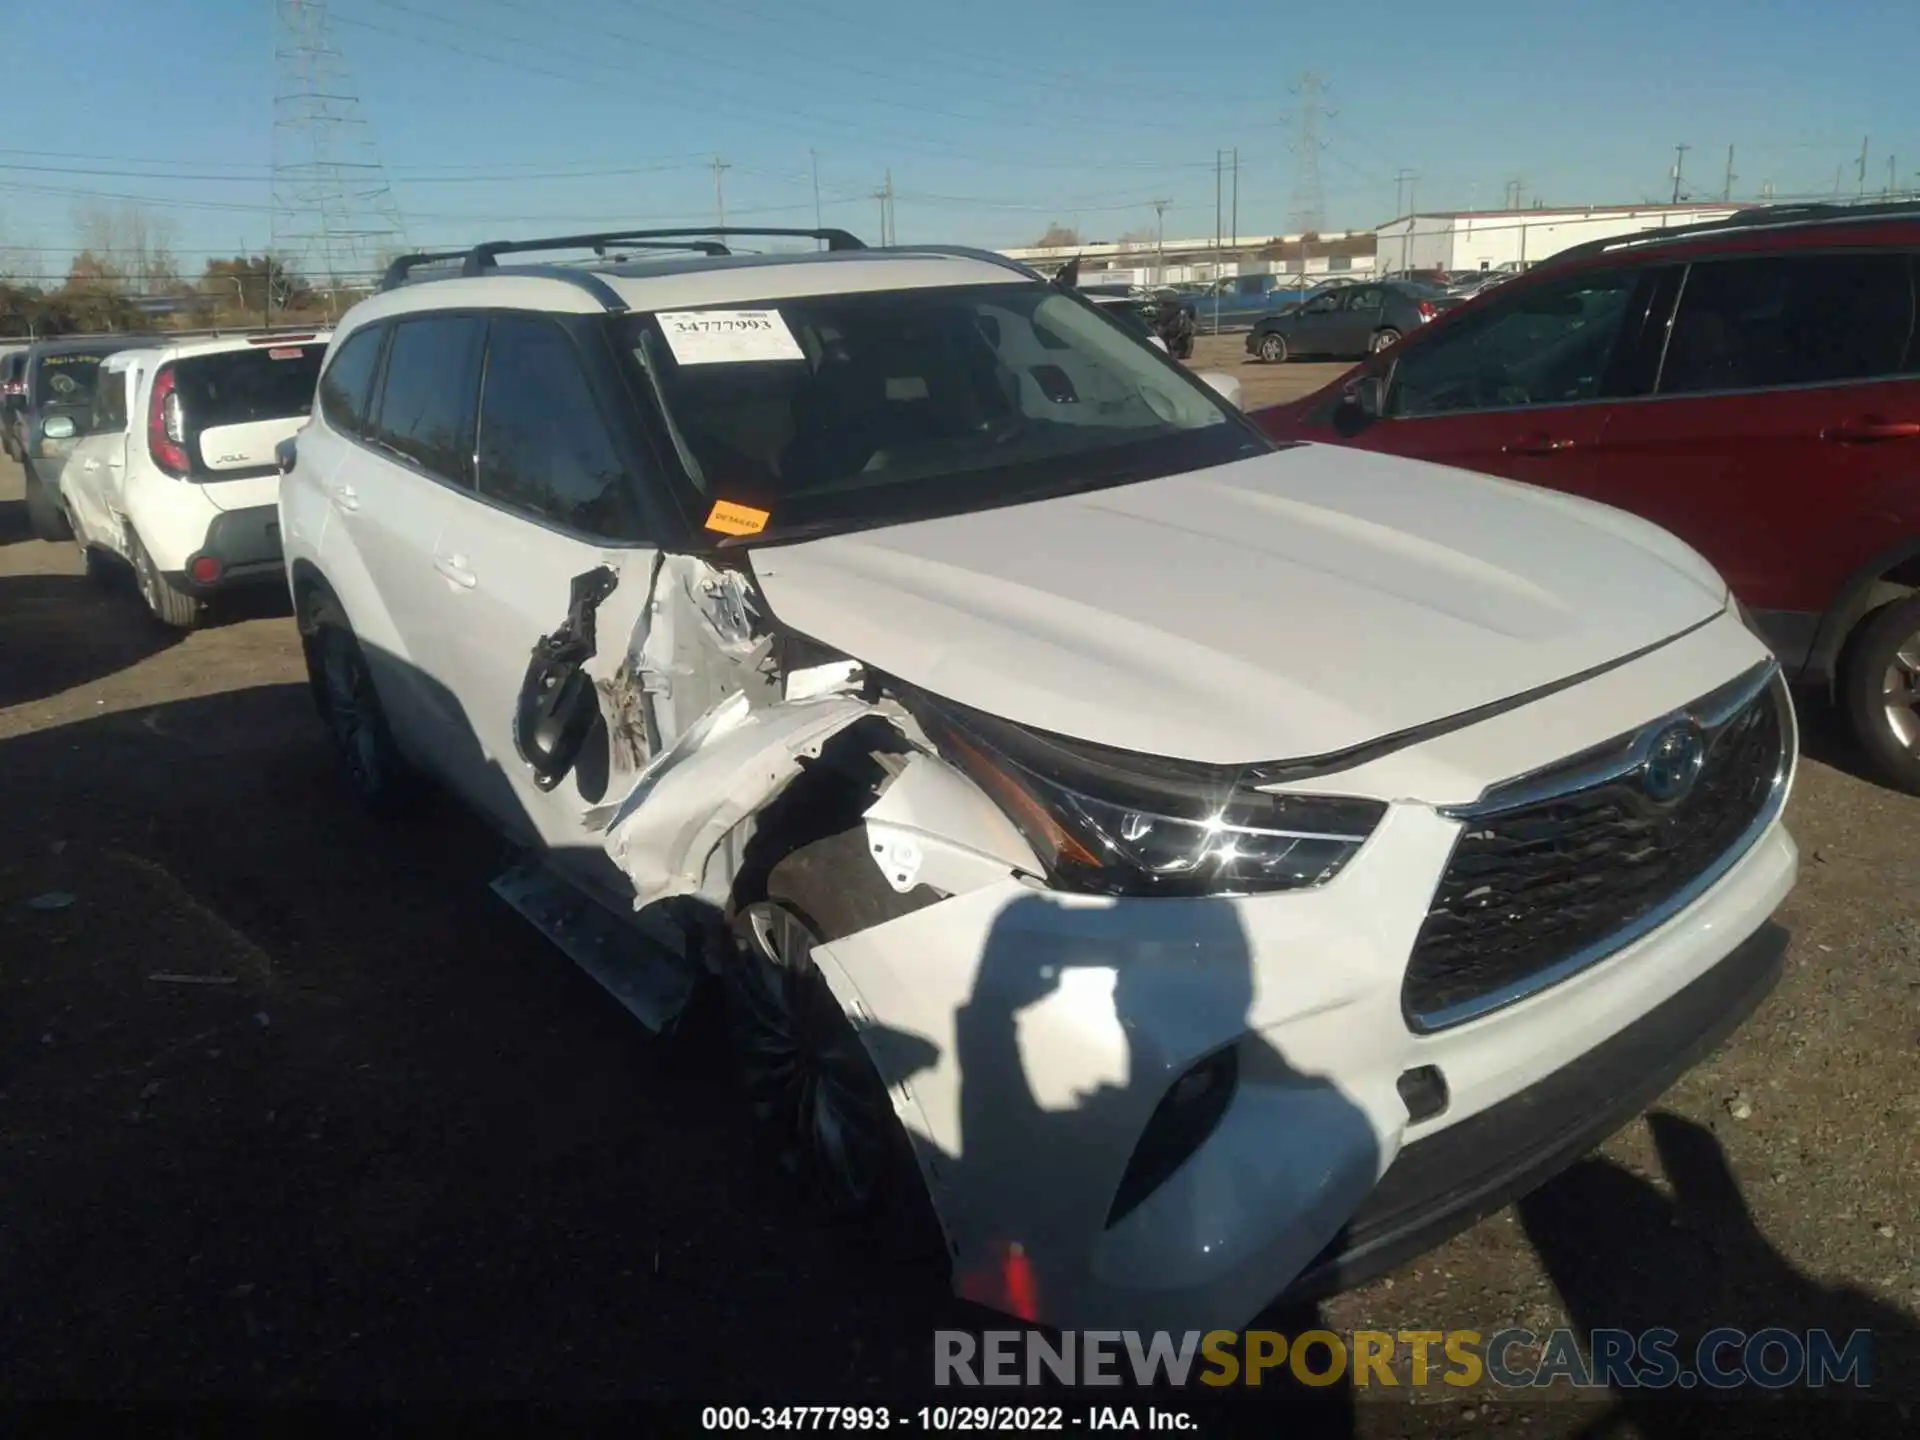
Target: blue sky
505,117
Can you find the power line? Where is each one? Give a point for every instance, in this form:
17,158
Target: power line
781,75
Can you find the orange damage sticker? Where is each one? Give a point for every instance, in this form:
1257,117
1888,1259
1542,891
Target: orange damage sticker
731,519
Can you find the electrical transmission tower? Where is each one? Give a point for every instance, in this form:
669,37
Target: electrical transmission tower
335,223
1309,194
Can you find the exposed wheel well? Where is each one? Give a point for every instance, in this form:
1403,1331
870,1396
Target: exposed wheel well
829,796
1889,577
307,580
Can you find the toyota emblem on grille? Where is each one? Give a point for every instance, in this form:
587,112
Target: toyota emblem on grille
1673,763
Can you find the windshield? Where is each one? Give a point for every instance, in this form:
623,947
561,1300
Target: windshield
843,411
66,379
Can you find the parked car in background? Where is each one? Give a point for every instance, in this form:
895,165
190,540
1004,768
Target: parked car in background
1348,321
174,472
1088,810
1470,283
13,389
1132,314
1173,320
1752,384
58,396
1239,300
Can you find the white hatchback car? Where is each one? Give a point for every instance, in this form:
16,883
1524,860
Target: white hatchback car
1201,869
174,472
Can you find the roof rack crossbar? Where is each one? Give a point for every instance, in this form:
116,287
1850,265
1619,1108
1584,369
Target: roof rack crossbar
484,257
404,266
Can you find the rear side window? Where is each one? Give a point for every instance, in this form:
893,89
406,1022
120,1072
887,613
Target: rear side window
238,387
544,447
1790,320
344,387
66,380
427,399
109,404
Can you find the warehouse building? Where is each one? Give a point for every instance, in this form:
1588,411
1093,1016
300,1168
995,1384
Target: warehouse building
1467,240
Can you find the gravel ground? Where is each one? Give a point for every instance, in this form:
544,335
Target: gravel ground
292,1107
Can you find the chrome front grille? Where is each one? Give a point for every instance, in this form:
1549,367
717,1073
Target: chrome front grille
1555,871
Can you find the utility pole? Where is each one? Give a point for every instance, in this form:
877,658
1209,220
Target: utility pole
885,196
1216,212
720,168
1235,227
1889,177
1863,163
1160,241
1727,192
813,160
1679,161
1403,182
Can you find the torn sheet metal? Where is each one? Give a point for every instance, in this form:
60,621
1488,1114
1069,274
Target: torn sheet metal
704,642
932,826
731,763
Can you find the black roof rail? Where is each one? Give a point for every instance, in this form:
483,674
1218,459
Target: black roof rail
1752,217
971,252
486,256
586,280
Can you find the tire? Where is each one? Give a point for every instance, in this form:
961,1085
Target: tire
163,602
343,693
1382,339
1273,347
44,515
1883,665
819,1105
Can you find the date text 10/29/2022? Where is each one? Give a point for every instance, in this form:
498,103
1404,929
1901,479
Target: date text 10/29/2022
979,1419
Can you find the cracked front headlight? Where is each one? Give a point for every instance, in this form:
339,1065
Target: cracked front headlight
1111,823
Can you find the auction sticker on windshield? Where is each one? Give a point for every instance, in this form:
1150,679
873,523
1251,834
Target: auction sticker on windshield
728,337
731,519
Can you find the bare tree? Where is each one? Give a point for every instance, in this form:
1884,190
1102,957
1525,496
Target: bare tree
1058,236
20,262
1141,239
132,242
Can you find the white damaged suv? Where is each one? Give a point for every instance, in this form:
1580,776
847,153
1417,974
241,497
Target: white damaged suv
1201,870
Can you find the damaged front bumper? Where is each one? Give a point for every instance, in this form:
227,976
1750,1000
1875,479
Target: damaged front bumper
1059,1025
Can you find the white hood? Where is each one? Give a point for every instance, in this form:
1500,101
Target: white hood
1277,608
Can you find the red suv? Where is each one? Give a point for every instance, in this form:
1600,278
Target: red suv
1752,384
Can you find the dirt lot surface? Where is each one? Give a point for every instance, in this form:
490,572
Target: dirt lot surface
291,1106
1261,384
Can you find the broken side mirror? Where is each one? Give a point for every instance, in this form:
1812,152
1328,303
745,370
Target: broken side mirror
1227,387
